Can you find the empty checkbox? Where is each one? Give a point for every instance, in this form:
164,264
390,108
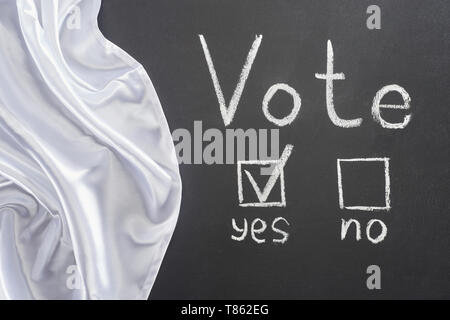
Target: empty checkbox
364,184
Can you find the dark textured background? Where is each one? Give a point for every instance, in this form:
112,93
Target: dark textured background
411,50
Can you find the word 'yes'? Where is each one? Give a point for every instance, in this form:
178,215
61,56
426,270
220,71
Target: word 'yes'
228,111
257,228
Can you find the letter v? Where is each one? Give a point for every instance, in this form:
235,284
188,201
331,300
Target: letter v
228,112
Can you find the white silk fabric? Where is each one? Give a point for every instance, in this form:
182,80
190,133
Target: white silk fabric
90,188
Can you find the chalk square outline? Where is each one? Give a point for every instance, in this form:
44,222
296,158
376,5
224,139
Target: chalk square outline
387,185
281,203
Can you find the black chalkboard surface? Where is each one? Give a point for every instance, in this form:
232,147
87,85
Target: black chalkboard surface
303,254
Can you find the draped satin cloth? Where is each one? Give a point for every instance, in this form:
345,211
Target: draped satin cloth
90,188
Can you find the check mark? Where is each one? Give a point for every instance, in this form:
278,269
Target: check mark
264,194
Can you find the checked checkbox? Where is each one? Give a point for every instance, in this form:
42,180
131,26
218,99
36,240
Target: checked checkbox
276,175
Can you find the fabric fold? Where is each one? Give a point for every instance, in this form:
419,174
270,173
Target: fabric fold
83,134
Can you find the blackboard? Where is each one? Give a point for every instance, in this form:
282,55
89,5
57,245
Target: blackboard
411,49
